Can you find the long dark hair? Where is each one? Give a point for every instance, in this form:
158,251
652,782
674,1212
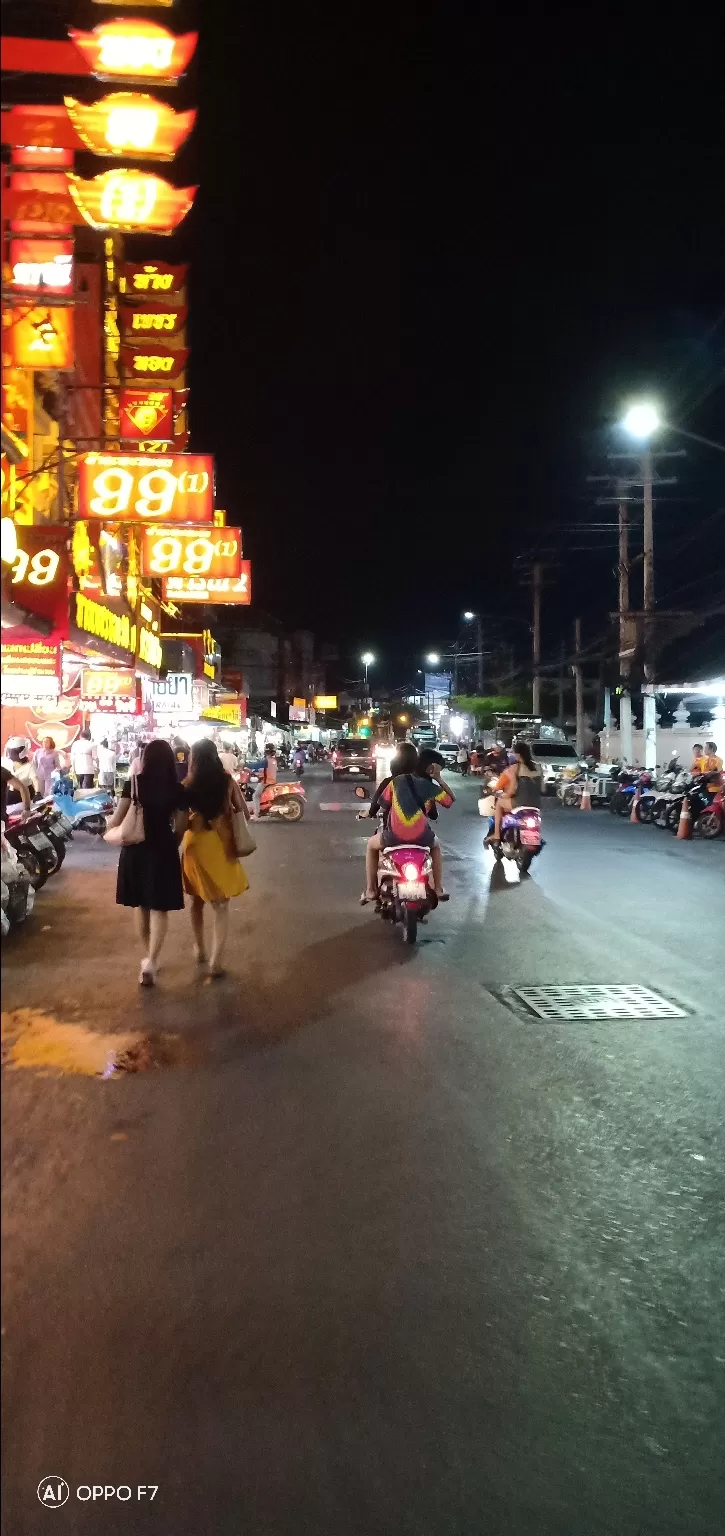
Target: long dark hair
523,750
157,782
405,760
208,783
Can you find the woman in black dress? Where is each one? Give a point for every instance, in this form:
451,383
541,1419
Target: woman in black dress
149,873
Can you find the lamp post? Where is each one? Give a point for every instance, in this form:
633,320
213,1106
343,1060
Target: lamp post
642,421
471,618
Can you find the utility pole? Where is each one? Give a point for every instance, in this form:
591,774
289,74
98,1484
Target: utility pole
479,632
579,684
625,637
560,685
649,708
537,577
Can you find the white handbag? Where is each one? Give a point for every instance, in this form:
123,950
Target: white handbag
131,829
244,840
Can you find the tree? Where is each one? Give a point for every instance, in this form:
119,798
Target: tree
483,709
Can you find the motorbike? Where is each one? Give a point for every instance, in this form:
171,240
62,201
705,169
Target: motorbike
85,809
279,802
35,850
702,793
628,781
666,799
711,822
18,894
406,893
521,838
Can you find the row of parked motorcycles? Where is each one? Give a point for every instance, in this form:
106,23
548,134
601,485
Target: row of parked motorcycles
34,845
655,799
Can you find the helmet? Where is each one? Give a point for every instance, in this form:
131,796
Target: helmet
16,747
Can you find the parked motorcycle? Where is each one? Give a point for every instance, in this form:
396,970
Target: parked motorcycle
702,793
85,809
18,894
279,802
711,821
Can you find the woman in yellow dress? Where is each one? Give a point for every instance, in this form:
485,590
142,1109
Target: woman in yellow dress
210,866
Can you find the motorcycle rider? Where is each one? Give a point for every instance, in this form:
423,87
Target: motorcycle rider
711,761
18,760
408,797
520,784
269,776
12,785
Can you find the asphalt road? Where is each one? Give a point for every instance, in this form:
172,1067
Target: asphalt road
384,1254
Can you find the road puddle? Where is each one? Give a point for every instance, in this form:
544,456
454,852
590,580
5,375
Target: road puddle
31,1039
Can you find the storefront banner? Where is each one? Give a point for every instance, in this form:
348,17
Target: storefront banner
226,714
153,277
109,629
152,322
129,487
206,552
35,568
103,683
173,694
40,338
30,669
201,589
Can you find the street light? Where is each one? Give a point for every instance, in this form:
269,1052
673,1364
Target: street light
642,420
433,658
367,660
468,615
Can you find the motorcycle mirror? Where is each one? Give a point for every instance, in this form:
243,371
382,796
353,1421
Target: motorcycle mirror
361,792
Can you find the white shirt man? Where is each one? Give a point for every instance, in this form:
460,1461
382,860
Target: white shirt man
84,761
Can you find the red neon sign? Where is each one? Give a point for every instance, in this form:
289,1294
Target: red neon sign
151,321
146,413
146,487
131,200
190,552
159,364
154,277
132,124
46,262
134,50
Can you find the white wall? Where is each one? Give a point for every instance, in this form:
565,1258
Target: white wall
673,739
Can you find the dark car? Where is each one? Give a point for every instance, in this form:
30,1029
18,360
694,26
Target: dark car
353,757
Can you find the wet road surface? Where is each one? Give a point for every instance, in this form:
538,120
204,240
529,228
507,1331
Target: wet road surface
384,1253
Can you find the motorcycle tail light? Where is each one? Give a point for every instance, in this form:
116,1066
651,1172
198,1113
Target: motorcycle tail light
411,872
530,821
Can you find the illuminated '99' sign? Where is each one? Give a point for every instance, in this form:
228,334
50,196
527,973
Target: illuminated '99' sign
192,552
129,487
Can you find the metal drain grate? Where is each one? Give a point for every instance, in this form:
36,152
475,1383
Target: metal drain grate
598,1002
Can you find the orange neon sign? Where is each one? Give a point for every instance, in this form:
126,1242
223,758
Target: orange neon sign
154,277
131,200
128,487
210,589
134,49
40,338
132,124
191,552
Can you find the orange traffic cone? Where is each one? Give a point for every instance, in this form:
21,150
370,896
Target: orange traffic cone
586,804
635,805
684,829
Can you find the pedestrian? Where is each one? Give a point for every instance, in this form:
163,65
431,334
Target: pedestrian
149,873
182,752
84,760
47,762
106,765
211,870
269,776
462,759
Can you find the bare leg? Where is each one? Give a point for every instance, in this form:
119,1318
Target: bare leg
159,926
219,930
197,927
372,855
437,862
142,923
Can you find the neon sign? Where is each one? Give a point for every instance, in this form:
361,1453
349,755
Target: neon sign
42,263
131,200
41,338
165,362
129,123
134,50
192,552
146,413
152,277
149,319
210,589
131,487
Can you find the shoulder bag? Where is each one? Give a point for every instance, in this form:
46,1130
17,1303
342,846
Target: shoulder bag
131,829
244,841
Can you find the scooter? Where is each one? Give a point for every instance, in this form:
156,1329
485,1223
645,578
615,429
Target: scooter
18,894
521,838
280,802
85,809
39,839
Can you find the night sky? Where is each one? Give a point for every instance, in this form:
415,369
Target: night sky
433,250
